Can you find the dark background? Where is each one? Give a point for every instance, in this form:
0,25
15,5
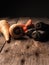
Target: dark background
24,9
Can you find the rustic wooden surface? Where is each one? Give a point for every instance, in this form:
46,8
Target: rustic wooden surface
24,51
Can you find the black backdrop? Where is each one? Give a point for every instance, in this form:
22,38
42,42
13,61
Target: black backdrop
24,8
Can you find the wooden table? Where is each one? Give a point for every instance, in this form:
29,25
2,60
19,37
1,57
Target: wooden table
24,51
